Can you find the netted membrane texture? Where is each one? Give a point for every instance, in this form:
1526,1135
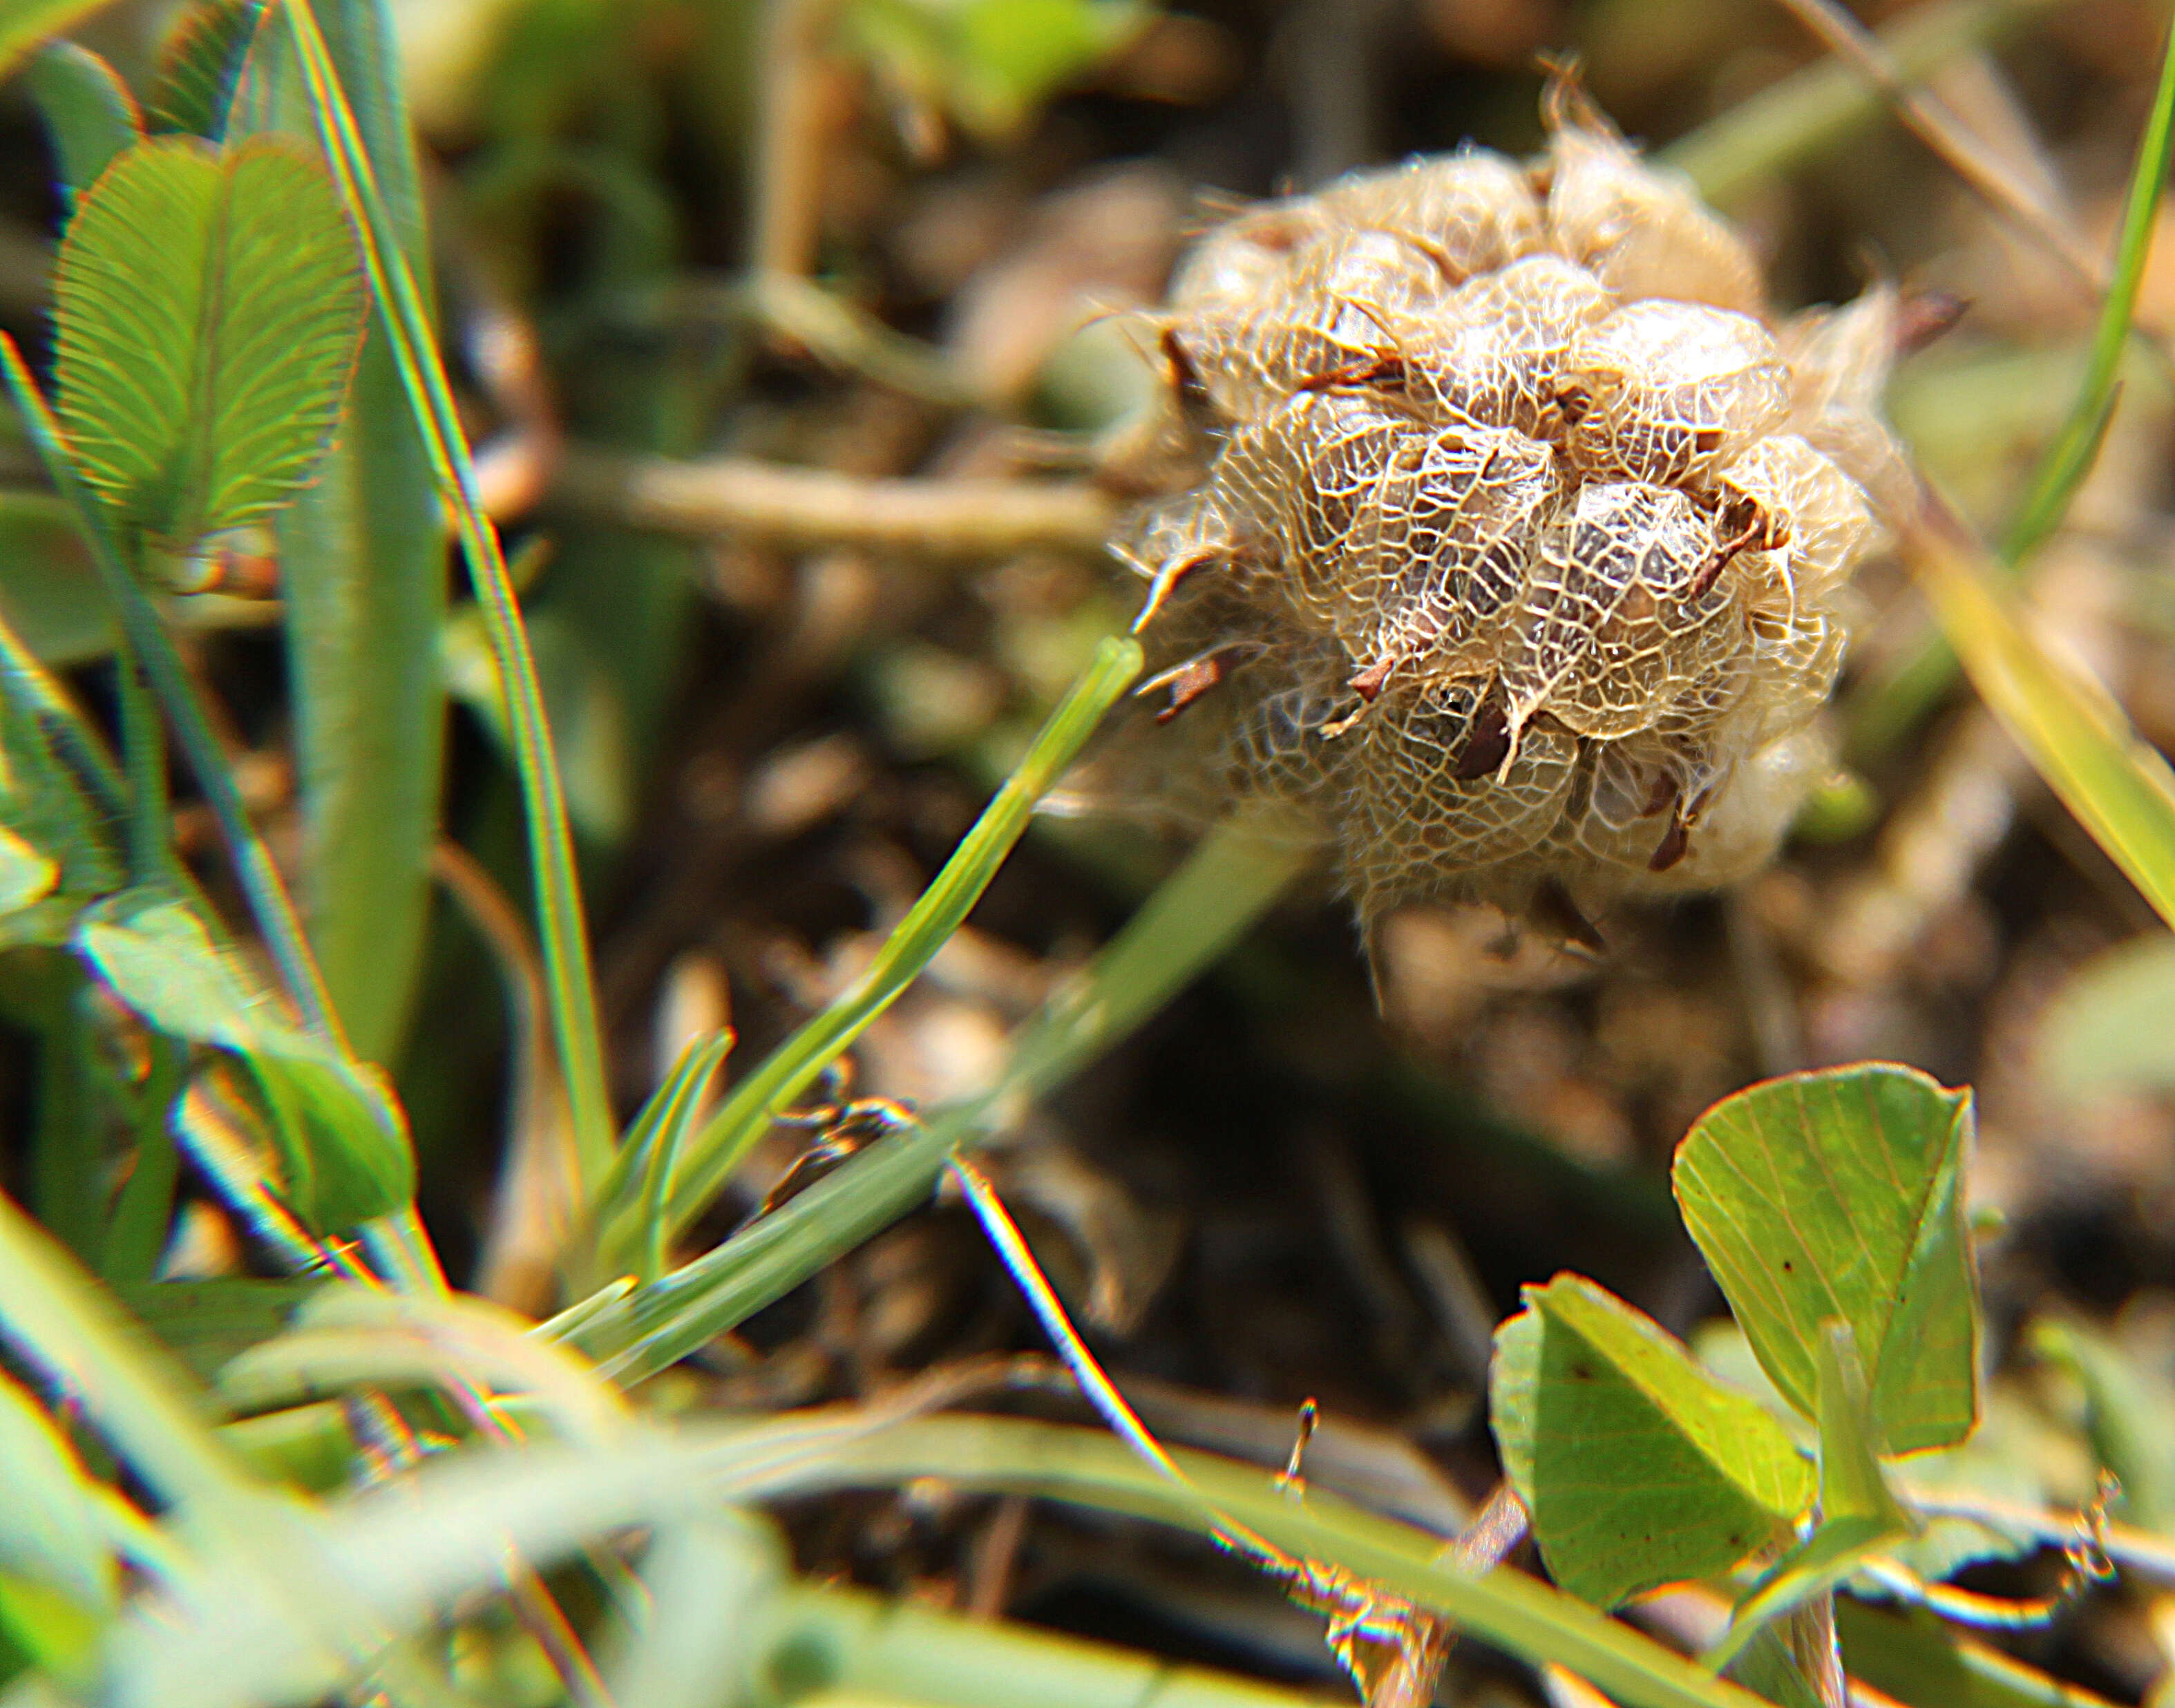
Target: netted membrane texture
1514,541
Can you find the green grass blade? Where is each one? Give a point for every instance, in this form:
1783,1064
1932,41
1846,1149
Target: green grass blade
2116,785
57,1320
148,638
654,1141
362,565
1089,1467
552,849
878,1652
404,1555
790,1069
2076,445
1187,924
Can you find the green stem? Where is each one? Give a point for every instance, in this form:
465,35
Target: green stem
143,751
551,843
66,1163
137,1234
76,745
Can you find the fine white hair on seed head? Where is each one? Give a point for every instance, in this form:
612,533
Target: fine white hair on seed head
1515,530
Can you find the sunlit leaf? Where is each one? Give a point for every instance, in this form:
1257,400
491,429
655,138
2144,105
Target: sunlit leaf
1839,1194
89,113
25,875
2130,1415
58,1580
2106,1029
198,65
50,1532
1639,1469
2077,738
989,63
209,306
351,1336
346,1155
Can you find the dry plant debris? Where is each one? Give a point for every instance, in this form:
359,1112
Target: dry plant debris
1509,528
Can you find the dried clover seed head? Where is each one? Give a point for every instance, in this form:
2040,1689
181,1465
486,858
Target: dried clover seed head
1514,554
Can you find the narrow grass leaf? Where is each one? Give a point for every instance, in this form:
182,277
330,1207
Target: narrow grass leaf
346,1155
1090,1467
404,1556
879,1650
1839,1193
24,23
2075,448
199,63
928,925
405,318
2117,786
1227,882
206,1323
363,554
208,309
1895,702
347,1338
50,1531
642,1173
89,114
1638,1467
60,1323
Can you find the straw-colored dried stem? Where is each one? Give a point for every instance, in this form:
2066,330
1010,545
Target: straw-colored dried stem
772,504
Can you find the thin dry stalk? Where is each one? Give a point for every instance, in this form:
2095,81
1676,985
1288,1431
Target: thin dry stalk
771,504
1952,141
790,152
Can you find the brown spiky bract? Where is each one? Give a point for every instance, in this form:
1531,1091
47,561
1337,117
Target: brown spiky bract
1513,526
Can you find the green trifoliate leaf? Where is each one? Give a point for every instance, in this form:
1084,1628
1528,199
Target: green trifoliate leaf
209,305
1839,1194
1639,1469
